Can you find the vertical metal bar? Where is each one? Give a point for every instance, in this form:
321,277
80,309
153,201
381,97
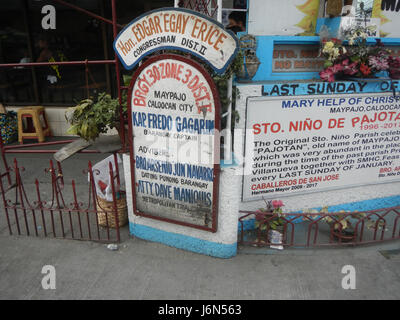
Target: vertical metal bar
88,223
105,46
71,224
340,232
376,229
34,222
316,232
115,207
17,221
383,227
362,230
117,171
60,178
60,173
21,199
54,184
3,156
3,196
76,207
105,211
107,225
52,223
118,76
40,205
95,200
395,226
25,13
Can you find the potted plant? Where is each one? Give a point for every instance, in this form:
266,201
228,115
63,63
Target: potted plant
89,118
341,226
356,59
249,67
270,218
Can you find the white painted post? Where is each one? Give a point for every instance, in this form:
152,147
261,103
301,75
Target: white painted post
176,3
219,11
228,136
228,114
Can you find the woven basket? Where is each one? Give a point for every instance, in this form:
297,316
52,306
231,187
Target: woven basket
105,212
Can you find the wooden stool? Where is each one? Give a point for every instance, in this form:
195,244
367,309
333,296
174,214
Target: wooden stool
36,129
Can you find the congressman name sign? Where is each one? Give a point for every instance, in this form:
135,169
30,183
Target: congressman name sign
315,143
181,29
174,110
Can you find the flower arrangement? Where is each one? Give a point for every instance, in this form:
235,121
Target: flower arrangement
273,209
357,59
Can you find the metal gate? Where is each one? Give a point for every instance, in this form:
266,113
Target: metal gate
28,212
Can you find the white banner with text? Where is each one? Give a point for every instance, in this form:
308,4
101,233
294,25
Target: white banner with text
316,143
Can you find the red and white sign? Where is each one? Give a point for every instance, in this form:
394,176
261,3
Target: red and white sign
174,118
179,29
315,143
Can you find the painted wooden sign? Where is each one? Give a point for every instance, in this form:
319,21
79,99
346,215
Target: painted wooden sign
296,58
315,143
174,117
180,29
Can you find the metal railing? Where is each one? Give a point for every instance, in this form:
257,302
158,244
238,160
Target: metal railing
319,229
55,217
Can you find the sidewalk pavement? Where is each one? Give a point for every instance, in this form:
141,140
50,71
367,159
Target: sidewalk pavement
144,270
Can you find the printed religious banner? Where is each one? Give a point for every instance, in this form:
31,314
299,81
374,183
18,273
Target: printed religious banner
314,143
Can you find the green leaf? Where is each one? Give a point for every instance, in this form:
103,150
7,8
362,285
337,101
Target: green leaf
327,64
73,129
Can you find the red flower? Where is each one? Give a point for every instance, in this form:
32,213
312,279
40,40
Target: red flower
336,68
327,75
365,70
350,69
277,203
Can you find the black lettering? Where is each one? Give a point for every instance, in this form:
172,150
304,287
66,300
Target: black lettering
390,5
